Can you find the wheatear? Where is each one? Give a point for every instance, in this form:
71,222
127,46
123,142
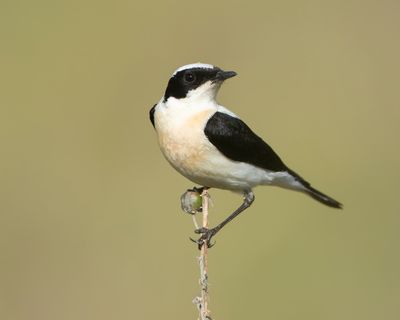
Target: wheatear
212,147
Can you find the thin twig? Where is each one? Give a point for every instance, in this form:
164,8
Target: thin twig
202,300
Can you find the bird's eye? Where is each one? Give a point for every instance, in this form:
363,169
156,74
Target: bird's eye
190,77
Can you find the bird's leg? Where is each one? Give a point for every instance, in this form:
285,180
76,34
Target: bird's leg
207,234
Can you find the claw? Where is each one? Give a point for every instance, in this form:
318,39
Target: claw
199,190
210,245
206,235
195,241
198,242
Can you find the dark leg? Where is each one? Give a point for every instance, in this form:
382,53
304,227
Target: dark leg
199,189
207,234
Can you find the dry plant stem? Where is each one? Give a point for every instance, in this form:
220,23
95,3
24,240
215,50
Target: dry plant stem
202,301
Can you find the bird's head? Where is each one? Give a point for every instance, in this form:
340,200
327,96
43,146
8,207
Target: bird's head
196,82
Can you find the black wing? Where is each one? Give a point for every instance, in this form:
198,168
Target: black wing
151,114
234,139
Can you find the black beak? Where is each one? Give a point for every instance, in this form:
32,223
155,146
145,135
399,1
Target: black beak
223,75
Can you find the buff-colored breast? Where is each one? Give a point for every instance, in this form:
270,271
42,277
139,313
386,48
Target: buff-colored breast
184,144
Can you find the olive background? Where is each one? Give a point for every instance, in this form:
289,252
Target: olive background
90,219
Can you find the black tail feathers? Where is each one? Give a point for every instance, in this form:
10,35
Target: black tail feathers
315,194
323,198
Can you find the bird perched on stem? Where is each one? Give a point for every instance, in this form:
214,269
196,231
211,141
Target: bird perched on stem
212,147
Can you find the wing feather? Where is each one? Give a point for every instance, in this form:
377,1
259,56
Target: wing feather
234,139
151,114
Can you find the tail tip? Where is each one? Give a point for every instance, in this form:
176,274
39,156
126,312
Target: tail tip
323,198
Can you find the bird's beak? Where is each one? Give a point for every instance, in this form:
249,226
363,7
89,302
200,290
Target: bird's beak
223,75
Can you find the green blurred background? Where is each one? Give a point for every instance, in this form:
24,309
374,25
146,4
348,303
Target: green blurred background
90,220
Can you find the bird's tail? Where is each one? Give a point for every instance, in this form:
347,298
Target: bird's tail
315,194
323,198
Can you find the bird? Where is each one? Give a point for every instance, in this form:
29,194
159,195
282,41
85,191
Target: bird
212,147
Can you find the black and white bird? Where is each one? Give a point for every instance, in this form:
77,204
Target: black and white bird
211,146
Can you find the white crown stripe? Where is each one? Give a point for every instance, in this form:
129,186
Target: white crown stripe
194,65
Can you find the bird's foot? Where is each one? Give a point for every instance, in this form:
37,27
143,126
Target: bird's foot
198,190
206,235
